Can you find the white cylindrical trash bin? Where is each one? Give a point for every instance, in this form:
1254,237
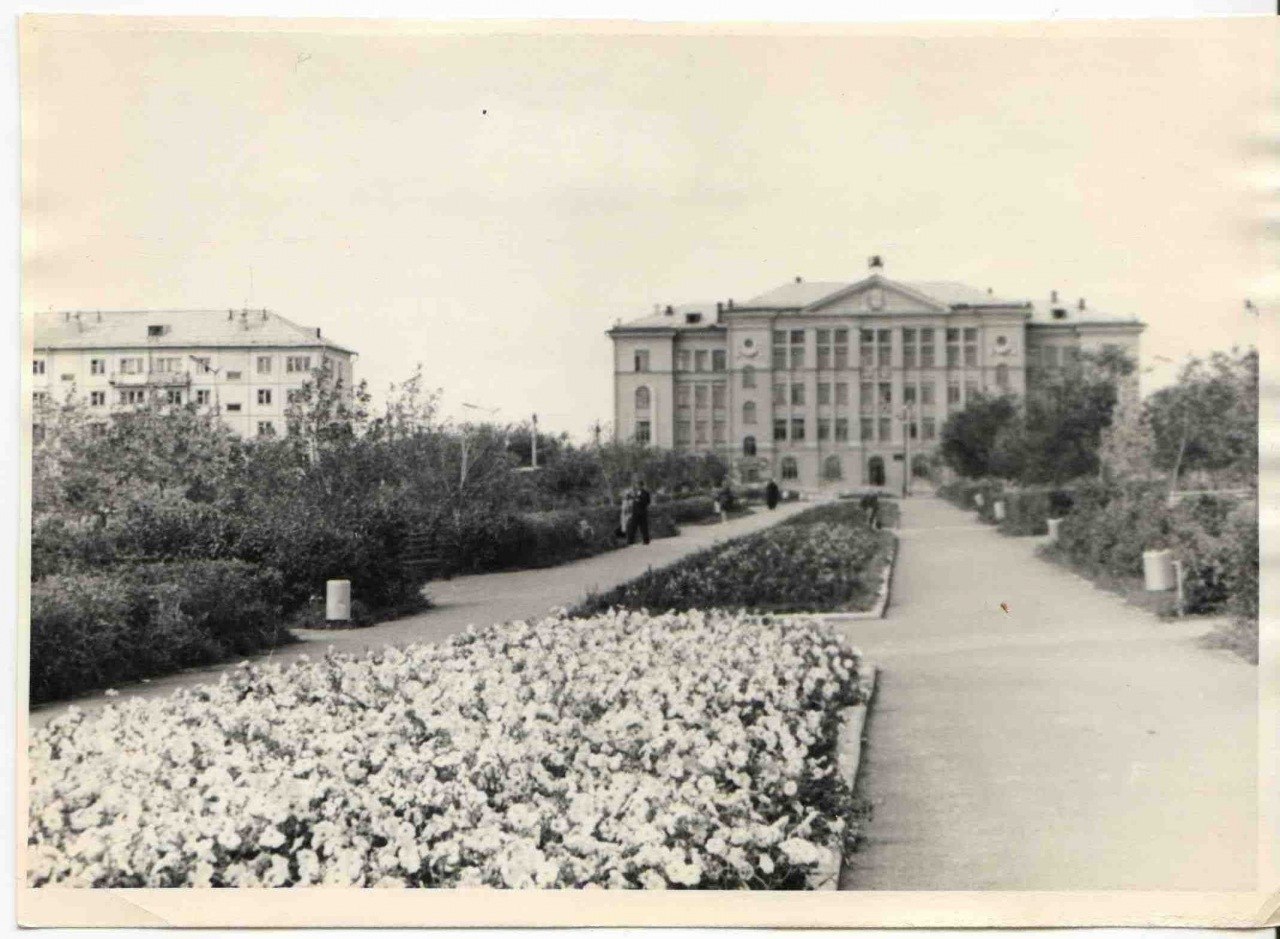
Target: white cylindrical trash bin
977,499
1157,570
1054,525
997,509
337,601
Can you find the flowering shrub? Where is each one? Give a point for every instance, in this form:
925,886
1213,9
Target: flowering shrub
624,751
806,567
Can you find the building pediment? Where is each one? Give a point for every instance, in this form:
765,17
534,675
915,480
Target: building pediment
873,296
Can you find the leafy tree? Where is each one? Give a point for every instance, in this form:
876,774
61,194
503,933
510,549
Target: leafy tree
969,436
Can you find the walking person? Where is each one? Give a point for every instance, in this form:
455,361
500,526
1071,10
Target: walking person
772,494
628,510
870,504
639,520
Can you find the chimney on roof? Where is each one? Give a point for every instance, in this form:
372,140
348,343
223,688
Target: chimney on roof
730,306
799,279
1053,296
669,311
719,309
1080,305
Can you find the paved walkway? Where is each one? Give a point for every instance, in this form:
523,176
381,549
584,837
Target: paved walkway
1073,743
474,599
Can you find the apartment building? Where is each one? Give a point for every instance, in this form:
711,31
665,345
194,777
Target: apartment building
241,364
837,384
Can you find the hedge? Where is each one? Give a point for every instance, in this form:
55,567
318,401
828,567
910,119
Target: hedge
93,630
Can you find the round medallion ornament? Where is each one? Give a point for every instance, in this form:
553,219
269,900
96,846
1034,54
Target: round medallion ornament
875,298
749,347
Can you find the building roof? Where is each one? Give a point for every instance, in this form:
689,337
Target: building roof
797,295
1042,315
677,319
125,329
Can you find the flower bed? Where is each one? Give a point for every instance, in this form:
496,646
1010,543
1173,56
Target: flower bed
806,564
623,751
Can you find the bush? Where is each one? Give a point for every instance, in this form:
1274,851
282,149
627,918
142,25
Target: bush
1027,511
89,631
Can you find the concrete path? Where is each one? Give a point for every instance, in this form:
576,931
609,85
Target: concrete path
473,599
1073,743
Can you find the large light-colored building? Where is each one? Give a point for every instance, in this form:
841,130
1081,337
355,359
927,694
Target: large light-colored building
837,385
244,364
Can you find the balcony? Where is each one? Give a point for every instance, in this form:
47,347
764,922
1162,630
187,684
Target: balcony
150,379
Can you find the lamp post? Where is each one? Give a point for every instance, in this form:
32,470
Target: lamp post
908,417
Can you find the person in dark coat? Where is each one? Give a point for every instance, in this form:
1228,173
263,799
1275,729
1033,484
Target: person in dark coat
639,520
870,503
772,495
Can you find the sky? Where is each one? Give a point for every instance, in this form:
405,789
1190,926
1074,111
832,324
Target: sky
487,205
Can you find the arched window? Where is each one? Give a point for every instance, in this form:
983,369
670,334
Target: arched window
642,398
748,446
748,376
875,471
748,412
831,468
789,468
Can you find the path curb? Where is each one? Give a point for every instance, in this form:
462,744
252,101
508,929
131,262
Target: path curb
853,722
877,610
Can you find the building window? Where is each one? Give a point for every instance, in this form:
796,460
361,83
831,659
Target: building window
824,392
700,360
717,432
748,376
98,428
264,365
37,367
683,433
266,429
928,427
302,363
926,348
40,398
886,429
717,360
953,391
953,348
797,348
797,428
831,468
779,349
789,468
1002,377
202,396
202,364
866,400
97,366
824,428
264,395
886,394
780,428
642,398
642,431
173,396
797,394
97,398
868,429
908,394
640,360
841,348
233,407
867,348
700,396
842,392
912,430
908,348
748,412
37,434
682,360
682,397
718,397
131,366
842,428
700,432
167,366
926,392
971,347
748,446
779,394
884,342
971,390
824,348
132,396
153,331
233,376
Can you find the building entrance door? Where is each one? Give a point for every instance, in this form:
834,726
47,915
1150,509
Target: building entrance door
875,471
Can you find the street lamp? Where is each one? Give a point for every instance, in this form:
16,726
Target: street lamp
908,419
